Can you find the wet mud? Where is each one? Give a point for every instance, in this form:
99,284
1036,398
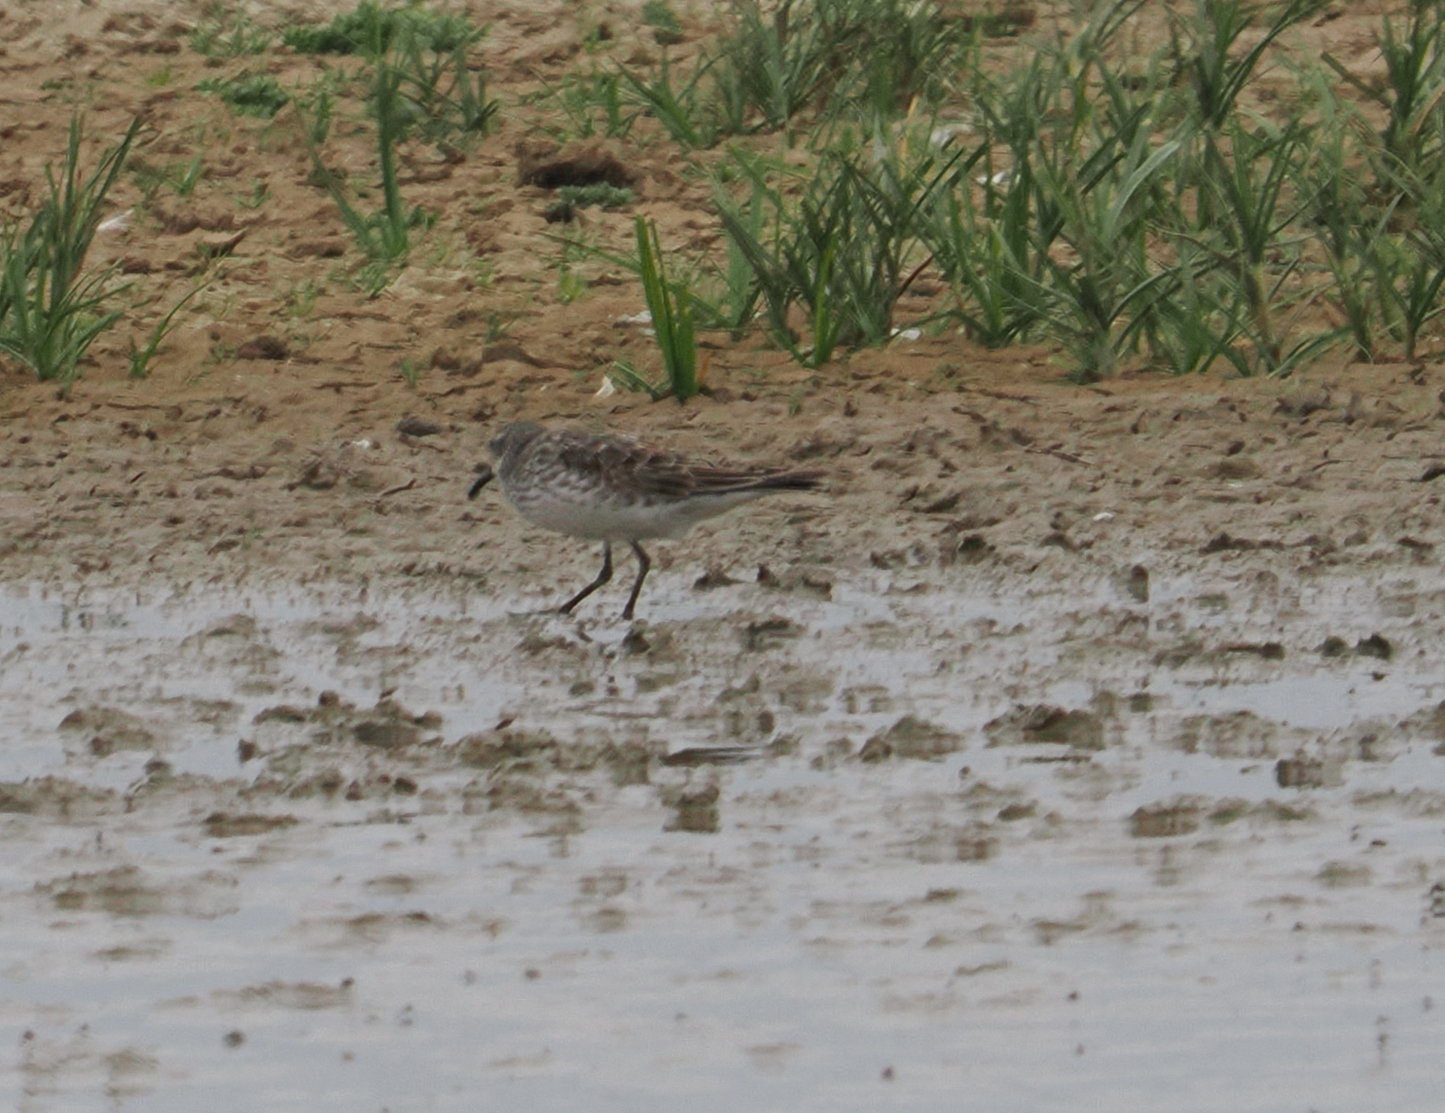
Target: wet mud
1075,747
410,839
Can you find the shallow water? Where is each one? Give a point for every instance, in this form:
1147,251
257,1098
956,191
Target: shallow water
1125,909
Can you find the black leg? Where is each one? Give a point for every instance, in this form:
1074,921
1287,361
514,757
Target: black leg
602,578
484,476
643,564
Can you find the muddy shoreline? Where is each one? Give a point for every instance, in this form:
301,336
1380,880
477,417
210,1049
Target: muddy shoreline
1075,747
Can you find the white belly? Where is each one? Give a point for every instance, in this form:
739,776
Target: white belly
636,521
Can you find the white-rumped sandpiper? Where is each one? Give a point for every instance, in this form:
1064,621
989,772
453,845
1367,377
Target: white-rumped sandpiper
608,488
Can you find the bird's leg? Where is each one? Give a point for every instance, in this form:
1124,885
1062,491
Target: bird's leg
485,475
602,578
643,564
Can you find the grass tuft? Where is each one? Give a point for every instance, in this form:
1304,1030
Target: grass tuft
249,95
670,304
50,313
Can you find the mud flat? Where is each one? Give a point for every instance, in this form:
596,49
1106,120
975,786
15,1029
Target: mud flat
1074,748
1050,843
1078,748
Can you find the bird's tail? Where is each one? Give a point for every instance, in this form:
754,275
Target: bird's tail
788,481
728,481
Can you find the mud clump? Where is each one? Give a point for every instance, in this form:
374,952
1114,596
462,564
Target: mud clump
223,825
913,738
975,848
972,548
1375,646
538,753
578,164
109,729
1306,772
1429,723
54,798
1239,734
628,762
263,346
1224,542
1135,583
1343,875
386,726
232,626
292,995
413,426
533,751
523,793
328,783
696,810
333,465
119,891
745,714
814,585
971,843
386,733
1157,821
759,637
1079,730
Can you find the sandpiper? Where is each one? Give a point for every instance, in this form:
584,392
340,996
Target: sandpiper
609,488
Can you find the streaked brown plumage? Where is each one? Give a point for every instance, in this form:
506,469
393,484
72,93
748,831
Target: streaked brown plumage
610,488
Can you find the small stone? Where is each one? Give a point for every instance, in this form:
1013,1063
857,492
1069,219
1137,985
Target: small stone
263,346
413,426
1238,467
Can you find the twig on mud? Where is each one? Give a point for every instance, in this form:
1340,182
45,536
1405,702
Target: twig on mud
1062,455
1002,395
407,486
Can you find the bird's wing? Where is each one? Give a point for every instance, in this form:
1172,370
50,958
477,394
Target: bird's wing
621,461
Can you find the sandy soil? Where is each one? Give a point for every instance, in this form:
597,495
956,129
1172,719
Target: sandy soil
1077,748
